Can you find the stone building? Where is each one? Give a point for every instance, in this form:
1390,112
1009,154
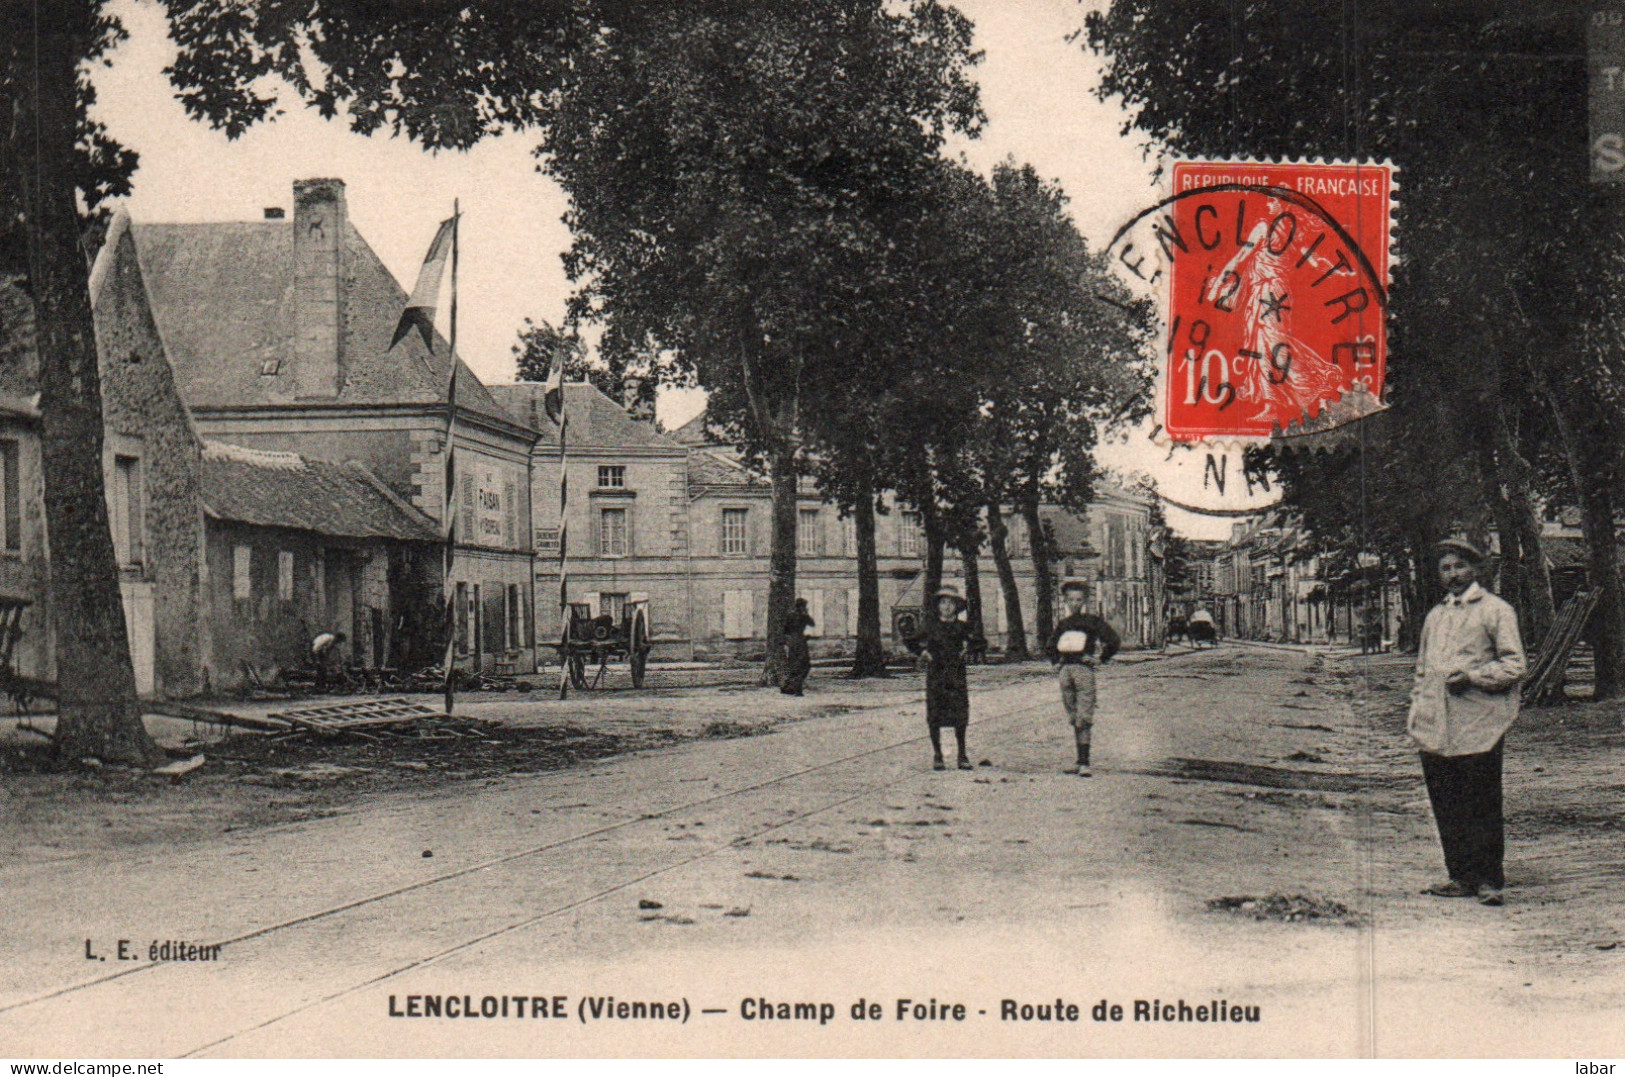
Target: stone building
280,335
296,547
682,522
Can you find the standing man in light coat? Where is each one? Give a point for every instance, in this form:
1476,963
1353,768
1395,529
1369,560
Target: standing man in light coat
1464,700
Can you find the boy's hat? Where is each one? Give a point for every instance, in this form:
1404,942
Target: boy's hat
1075,585
948,590
1459,546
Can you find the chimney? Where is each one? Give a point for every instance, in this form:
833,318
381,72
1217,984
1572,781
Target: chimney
319,225
637,408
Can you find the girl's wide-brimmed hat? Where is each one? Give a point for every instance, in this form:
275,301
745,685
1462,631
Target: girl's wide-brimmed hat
950,591
1460,546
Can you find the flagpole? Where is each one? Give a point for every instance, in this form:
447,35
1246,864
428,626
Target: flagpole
564,534
450,517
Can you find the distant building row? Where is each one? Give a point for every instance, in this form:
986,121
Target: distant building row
274,468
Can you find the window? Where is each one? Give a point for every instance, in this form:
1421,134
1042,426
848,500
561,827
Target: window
612,533
547,540
284,575
849,536
612,605
611,477
242,580
735,538
11,476
515,614
908,534
125,513
809,534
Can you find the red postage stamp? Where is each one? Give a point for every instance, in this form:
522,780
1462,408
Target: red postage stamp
1277,278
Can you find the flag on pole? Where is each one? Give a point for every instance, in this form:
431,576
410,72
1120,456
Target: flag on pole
420,308
420,311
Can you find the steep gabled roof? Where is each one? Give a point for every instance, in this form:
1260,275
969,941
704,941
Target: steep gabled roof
222,295
596,421
284,489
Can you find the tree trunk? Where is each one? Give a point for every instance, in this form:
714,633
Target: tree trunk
1015,633
99,714
1591,460
1043,575
869,659
973,589
1508,480
781,568
935,544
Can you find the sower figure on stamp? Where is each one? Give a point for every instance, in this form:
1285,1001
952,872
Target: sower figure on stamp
947,692
1072,649
800,658
1464,700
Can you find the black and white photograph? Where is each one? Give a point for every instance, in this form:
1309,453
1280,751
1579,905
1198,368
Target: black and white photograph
919,529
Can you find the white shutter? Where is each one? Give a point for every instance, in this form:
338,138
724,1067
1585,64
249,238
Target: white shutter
738,609
1001,616
815,610
591,599
852,611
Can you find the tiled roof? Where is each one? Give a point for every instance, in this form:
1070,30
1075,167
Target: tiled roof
596,421
222,295
707,468
284,489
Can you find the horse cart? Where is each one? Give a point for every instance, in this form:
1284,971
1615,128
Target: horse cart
602,639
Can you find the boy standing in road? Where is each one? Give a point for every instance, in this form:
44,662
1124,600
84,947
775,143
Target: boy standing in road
1464,700
1072,649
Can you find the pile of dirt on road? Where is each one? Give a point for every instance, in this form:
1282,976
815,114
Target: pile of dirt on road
1289,908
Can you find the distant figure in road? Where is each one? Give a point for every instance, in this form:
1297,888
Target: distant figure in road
947,690
1178,628
1201,627
800,658
1072,649
324,655
1464,700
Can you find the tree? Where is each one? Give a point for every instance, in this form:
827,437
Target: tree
54,156
1475,102
1072,359
726,170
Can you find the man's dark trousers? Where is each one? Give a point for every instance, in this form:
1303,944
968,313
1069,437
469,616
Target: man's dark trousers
1466,795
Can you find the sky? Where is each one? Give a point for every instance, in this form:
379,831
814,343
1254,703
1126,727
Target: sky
1036,90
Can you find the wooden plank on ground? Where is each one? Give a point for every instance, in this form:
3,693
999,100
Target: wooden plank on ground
171,709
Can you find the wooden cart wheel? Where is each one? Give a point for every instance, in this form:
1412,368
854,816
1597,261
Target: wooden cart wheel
639,647
578,670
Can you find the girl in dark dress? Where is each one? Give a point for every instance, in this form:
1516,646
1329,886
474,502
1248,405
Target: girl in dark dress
800,658
947,694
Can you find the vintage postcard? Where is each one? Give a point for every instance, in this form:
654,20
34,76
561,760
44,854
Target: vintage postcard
928,529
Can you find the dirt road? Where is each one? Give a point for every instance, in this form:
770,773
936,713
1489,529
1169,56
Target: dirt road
824,863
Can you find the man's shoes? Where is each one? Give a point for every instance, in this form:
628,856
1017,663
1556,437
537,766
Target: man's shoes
965,764
1489,895
1082,770
938,764
1451,889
